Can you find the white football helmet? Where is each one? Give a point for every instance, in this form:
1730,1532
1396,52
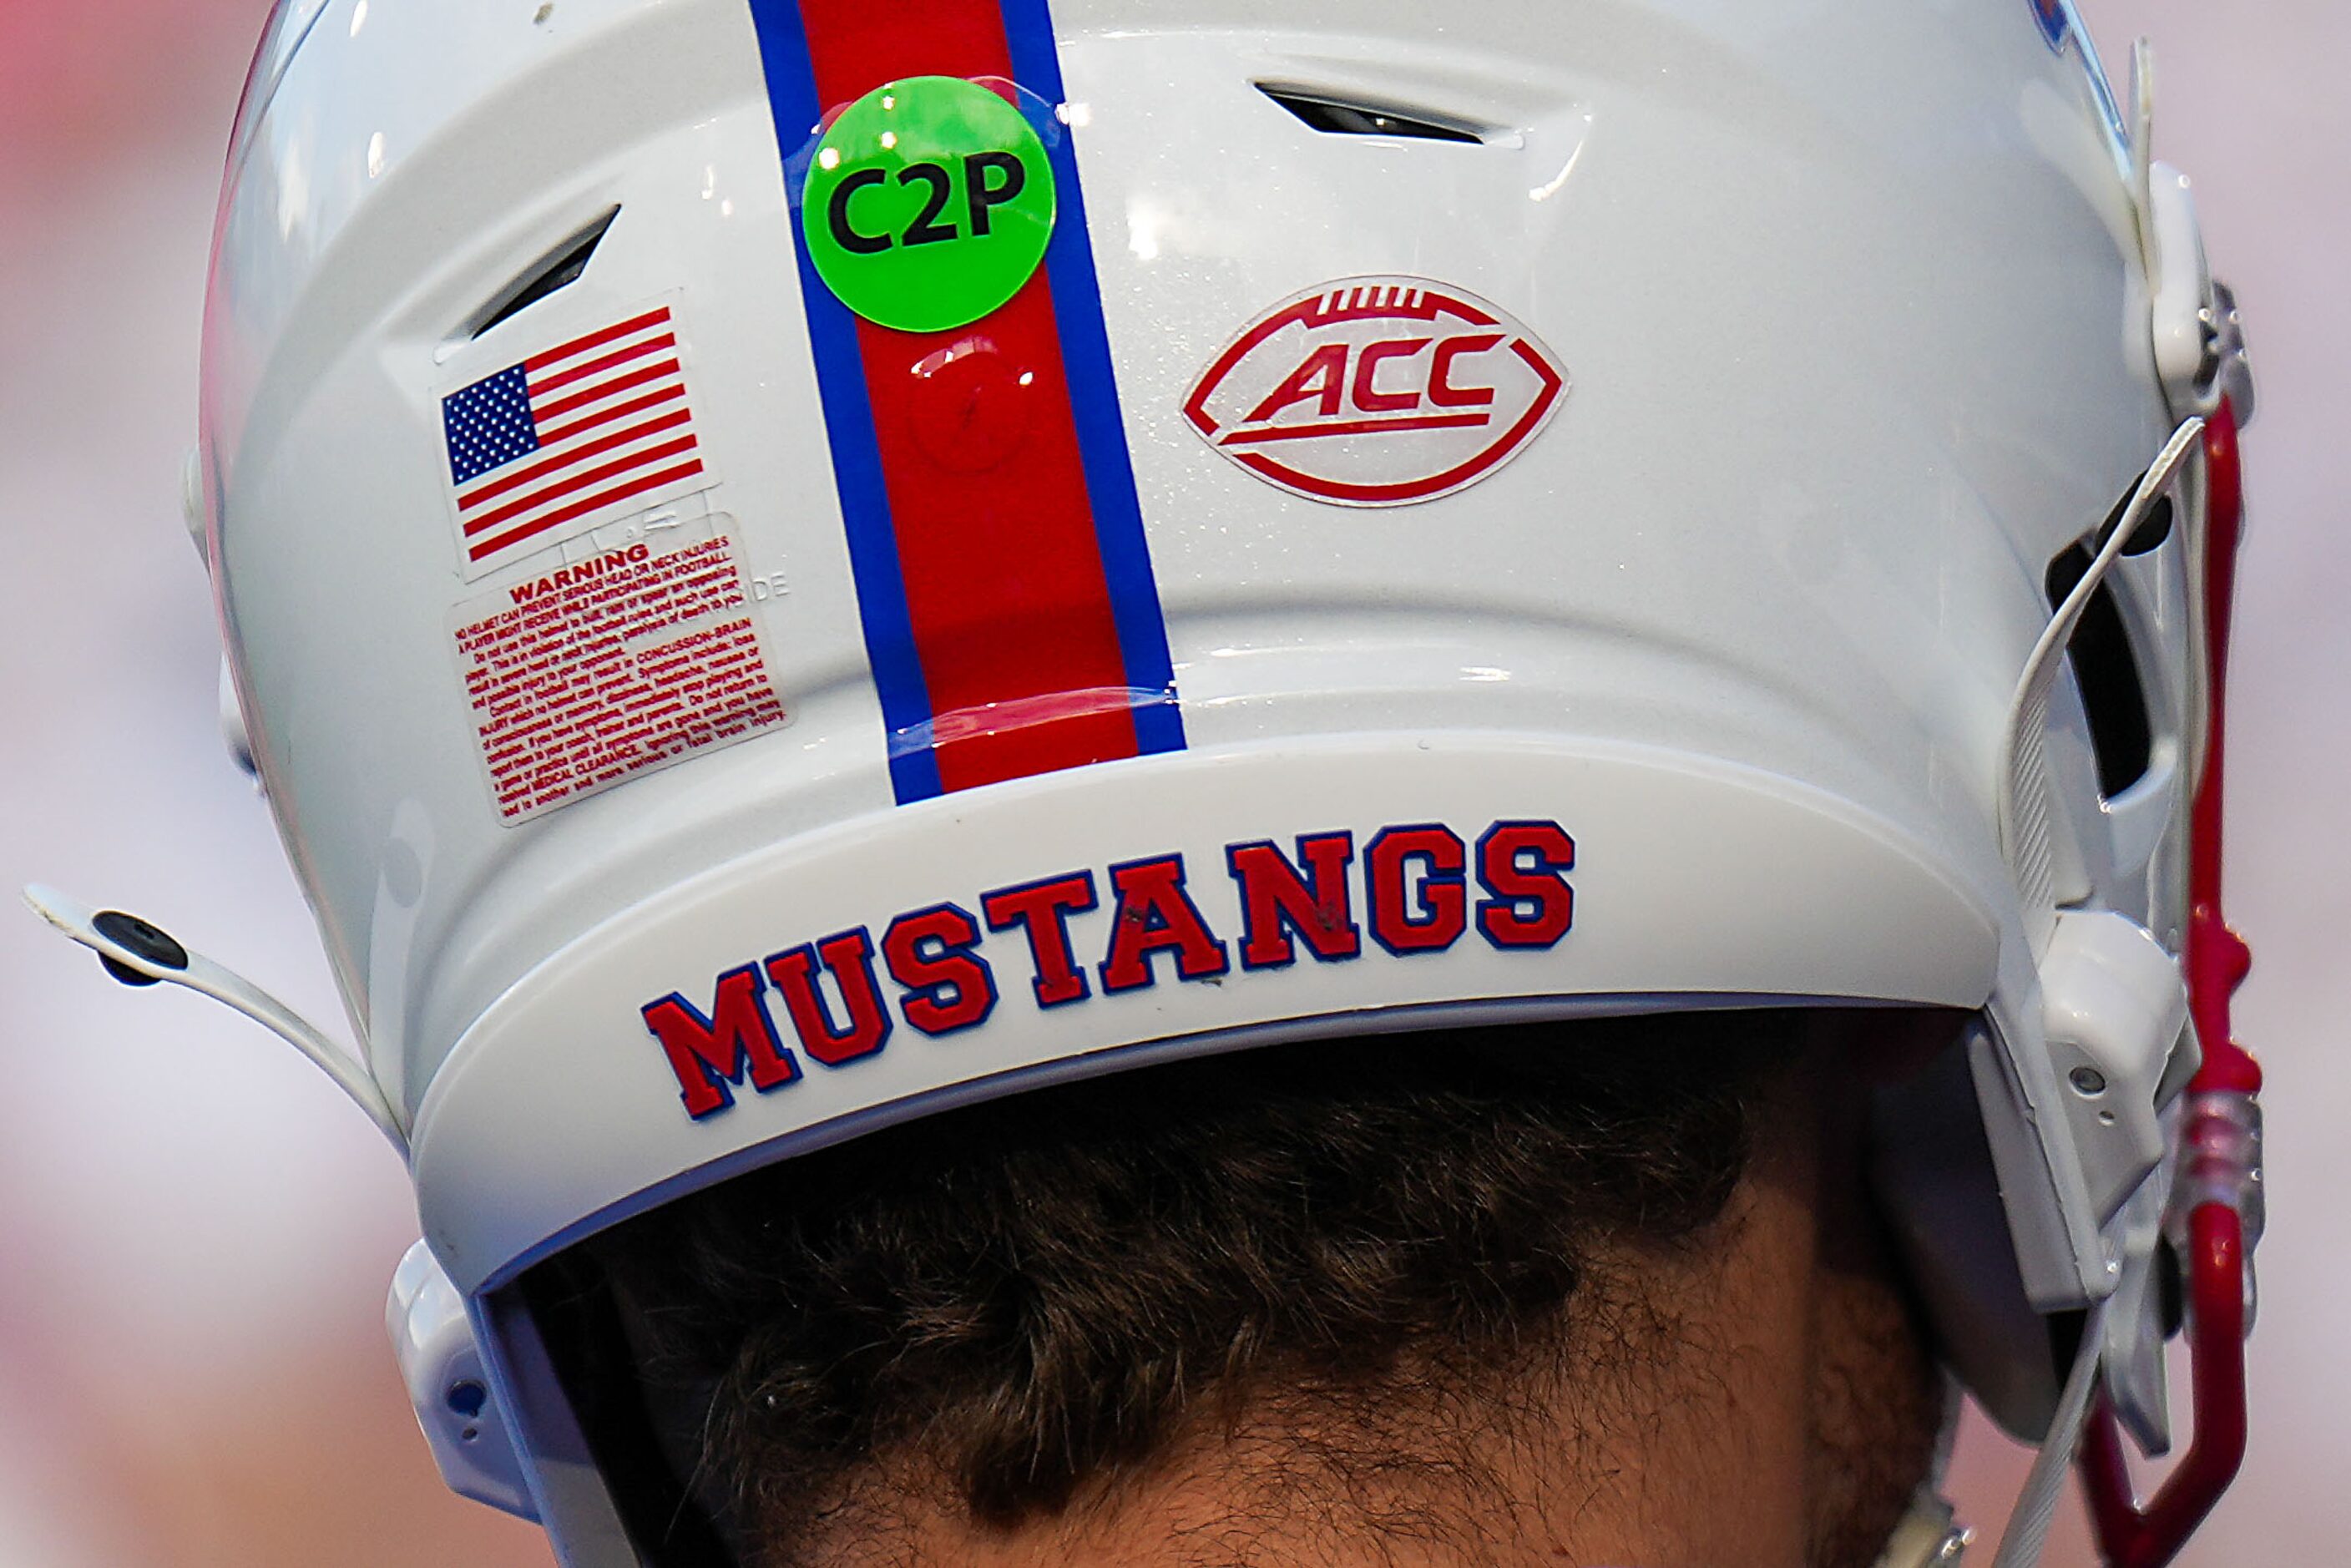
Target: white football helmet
786,566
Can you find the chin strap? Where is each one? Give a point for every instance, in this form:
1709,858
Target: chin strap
1929,1535
1928,1538
2036,1505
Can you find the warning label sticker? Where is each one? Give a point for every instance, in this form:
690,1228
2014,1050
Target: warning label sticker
621,660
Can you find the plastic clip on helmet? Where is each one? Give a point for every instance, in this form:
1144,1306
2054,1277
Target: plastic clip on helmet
785,567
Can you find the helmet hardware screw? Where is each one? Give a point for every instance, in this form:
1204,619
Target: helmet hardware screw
2087,1080
151,943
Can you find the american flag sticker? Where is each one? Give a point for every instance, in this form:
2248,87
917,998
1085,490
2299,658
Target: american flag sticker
595,429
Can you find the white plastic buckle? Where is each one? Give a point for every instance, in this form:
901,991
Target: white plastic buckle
2116,1011
2198,341
2181,283
455,1403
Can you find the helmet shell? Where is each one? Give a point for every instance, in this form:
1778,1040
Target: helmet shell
1852,322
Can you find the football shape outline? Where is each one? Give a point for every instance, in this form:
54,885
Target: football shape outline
1377,392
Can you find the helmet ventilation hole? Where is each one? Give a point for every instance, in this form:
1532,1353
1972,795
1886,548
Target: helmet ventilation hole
558,270
2153,529
2113,697
1342,117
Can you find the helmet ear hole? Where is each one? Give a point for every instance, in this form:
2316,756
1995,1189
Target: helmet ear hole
2105,668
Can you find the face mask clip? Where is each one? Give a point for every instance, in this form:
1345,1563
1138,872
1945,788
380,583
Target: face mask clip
455,1403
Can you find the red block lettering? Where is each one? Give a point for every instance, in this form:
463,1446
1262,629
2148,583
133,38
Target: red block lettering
850,956
1521,865
707,1053
1155,915
1042,911
948,986
1441,900
1276,900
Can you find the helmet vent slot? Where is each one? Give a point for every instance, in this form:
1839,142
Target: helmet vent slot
1349,117
2105,668
558,270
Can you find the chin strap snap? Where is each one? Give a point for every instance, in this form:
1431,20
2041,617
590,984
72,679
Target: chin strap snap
1928,1537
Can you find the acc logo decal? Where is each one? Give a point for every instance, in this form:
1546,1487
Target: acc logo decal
1376,392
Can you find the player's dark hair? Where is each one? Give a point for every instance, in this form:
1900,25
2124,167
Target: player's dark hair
1036,1293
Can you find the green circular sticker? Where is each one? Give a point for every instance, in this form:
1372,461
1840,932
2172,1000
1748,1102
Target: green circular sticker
929,203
